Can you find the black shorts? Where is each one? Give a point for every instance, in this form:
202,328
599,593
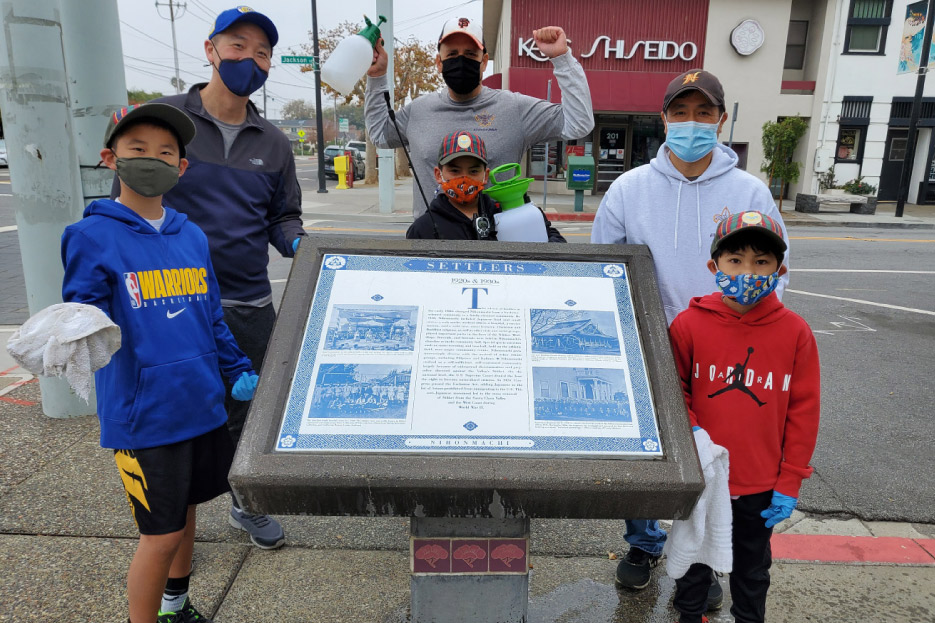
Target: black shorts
162,482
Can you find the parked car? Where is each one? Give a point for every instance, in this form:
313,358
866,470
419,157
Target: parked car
357,158
359,146
3,160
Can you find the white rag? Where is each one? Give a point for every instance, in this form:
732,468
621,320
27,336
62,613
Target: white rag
705,537
67,339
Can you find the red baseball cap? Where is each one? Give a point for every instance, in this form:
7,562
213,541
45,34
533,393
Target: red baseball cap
459,144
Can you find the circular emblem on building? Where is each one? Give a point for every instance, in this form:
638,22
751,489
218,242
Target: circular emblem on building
747,37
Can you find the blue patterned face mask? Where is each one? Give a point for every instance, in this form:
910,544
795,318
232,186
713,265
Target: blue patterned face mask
746,289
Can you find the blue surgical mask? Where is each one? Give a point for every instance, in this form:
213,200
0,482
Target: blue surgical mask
242,77
746,289
690,140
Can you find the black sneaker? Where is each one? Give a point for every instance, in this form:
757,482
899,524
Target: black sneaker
187,614
715,593
264,531
635,570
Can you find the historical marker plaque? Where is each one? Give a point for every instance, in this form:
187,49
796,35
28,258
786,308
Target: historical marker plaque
469,379
471,355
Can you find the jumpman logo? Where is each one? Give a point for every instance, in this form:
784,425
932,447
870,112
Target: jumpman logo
735,380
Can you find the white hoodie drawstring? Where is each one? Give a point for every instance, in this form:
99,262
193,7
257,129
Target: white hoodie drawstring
678,206
698,211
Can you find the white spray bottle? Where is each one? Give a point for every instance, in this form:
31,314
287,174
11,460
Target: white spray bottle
350,60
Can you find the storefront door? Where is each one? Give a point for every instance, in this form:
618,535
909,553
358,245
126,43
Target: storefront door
892,168
612,155
648,135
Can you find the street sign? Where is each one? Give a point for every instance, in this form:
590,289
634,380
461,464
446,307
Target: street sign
298,60
301,133
344,125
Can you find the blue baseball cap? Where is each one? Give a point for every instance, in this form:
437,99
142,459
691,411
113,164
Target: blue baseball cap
245,14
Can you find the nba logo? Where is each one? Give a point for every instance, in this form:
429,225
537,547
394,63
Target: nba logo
133,288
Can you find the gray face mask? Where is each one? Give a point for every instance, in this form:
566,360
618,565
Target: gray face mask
149,177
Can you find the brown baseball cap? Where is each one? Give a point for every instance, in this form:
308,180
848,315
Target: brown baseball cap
699,80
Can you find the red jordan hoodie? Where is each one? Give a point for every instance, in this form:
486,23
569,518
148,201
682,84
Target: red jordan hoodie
753,382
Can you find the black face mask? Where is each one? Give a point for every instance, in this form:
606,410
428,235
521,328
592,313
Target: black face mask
461,74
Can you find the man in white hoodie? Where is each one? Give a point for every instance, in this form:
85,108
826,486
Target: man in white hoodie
673,205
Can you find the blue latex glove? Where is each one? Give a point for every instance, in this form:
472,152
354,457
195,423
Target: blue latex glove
780,508
295,244
245,386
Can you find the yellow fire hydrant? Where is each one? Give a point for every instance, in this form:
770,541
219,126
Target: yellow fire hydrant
340,168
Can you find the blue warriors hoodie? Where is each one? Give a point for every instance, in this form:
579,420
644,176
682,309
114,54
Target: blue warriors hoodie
163,385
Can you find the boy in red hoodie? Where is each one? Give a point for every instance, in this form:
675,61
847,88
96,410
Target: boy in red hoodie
750,373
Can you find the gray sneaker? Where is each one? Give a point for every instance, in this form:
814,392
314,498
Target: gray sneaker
264,531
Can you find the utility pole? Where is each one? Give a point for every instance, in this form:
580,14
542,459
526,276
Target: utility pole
175,48
61,77
906,174
386,157
318,121
265,116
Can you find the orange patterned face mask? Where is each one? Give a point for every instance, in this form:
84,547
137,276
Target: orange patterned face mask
462,190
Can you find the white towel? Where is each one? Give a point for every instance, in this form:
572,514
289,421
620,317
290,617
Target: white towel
68,339
705,537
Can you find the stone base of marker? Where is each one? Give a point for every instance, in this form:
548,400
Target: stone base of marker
465,570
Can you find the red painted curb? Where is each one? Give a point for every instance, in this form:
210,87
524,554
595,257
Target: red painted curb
571,216
853,549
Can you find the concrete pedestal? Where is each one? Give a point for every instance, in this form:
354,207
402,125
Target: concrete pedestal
465,570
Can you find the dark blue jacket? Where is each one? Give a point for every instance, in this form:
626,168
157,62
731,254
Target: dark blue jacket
163,385
243,203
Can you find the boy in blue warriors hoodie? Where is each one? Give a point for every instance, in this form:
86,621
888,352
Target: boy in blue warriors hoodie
160,400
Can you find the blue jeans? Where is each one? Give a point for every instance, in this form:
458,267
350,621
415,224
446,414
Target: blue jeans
646,535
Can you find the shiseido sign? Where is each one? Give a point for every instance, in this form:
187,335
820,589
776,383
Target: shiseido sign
619,49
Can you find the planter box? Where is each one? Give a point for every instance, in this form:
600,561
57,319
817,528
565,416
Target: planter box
835,191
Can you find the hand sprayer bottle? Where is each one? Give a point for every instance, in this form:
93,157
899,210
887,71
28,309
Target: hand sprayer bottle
351,59
520,221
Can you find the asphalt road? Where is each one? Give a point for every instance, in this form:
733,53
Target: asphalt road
867,294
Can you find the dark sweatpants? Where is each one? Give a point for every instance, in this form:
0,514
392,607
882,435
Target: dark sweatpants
749,581
252,327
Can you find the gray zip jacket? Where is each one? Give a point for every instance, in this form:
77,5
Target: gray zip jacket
509,123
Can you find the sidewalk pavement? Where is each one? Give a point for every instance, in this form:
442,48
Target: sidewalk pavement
67,535
67,539
364,201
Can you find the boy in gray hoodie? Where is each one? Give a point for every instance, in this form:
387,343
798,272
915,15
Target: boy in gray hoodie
674,205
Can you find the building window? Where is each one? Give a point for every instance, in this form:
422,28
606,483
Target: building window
543,389
898,149
853,122
848,144
564,389
867,23
795,45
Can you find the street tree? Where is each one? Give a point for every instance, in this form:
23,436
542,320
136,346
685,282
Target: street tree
415,75
139,96
779,142
298,109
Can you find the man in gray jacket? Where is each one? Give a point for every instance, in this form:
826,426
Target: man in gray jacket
509,123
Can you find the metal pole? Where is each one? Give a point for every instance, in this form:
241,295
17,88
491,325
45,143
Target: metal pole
335,104
59,81
318,121
265,116
906,175
733,120
175,47
545,170
387,157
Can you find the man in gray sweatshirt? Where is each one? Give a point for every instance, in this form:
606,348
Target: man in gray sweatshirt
674,205
509,123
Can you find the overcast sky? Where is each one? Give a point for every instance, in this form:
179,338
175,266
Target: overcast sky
147,39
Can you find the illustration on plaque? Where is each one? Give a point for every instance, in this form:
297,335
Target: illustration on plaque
372,327
581,395
361,391
573,332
